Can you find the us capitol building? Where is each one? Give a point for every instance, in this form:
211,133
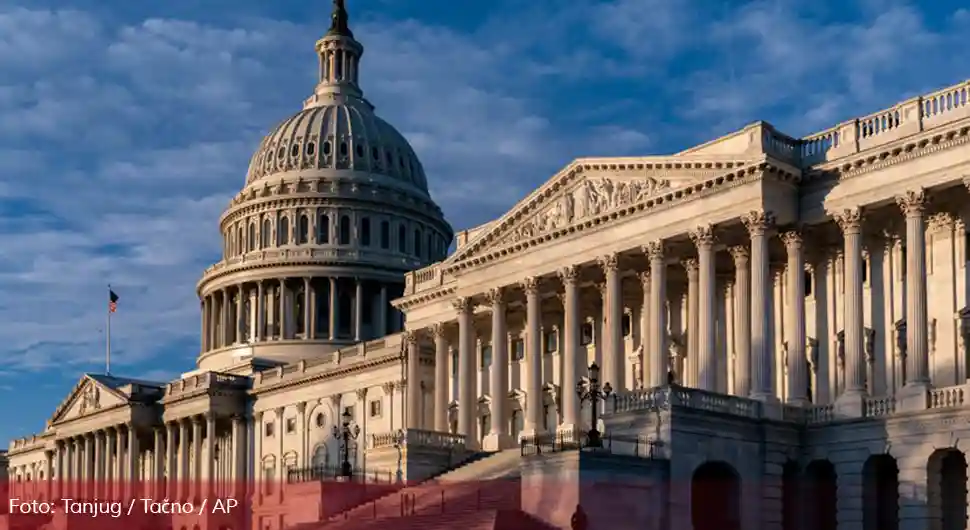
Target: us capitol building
784,318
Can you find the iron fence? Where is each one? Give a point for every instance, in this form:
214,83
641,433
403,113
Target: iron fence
323,473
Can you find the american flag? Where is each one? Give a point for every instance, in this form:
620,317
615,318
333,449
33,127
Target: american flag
112,301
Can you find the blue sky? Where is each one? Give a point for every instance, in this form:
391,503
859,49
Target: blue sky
126,126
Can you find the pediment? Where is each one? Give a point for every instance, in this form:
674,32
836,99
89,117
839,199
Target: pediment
88,397
587,189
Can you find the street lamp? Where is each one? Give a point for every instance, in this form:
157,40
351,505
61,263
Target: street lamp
592,392
399,445
345,433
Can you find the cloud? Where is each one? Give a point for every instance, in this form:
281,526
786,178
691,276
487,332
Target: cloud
122,141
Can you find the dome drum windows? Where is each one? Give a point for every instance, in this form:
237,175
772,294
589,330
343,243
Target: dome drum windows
365,231
283,233
344,230
311,148
303,230
323,230
266,234
402,238
252,237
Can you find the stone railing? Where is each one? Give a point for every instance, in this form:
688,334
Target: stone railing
289,255
417,438
204,381
950,396
908,117
330,360
668,396
26,444
877,407
423,279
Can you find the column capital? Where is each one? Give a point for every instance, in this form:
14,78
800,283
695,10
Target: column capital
654,250
388,388
438,330
335,400
690,265
792,239
301,407
941,222
645,278
850,220
757,222
569,274
361,394
409,337
913,203
495,296
740,253
609,262
530,285
703,236
463,304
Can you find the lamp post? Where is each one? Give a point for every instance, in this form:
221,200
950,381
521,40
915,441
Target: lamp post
592,391
346,433
399,445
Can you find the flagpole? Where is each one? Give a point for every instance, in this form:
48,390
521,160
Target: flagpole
107,345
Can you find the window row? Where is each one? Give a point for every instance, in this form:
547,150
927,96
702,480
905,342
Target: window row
374,410
379,159
420,242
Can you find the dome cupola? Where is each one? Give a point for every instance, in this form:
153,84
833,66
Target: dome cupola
334,211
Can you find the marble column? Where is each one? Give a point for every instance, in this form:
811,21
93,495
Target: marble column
499,437
533,357
203,309
359,310
240,317
99,476
182,484
706,318
134,462
210,453
742,322
120,475
572,324
170,461
260,311
334,308
307,315
913,204
689,377
413,412
441,383
757,224
850,221
87,468
57,478
657,352
158,462
282,318
467,402
614,372
195,475
797,359
239,456
645,323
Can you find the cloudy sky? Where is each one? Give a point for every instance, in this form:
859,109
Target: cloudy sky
126,126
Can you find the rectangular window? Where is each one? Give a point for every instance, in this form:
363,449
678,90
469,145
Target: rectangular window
385,235
486,356
375,408
808,283
518,349
586,335
626,325
269,429
349,412
365,231
550,341
290,425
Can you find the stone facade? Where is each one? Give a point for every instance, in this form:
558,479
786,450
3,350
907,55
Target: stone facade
765,307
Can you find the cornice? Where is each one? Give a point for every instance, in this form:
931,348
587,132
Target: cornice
307,257
423,297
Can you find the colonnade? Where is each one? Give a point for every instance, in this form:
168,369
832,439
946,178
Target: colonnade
752,286
98,464
309,308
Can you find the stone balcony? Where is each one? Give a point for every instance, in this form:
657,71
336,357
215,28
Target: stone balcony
416,454
673,397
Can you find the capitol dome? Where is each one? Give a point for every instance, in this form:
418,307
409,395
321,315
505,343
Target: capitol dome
334,211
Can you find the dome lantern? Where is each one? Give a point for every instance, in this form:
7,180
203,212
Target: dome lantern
338,54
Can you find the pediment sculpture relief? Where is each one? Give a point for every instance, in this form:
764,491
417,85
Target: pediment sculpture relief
90,400
591,197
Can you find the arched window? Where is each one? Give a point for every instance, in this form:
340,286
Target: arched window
303,235
283,237
402,239
344,230
430,248
265,234
252,237
417,242
365,231
323,229
385,234
242,241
